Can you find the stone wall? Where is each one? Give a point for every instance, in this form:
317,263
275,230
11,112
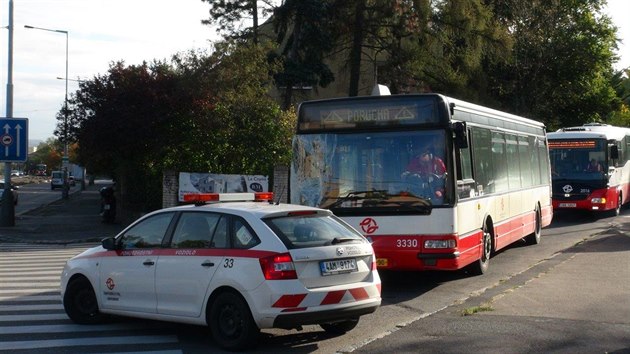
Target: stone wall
170,189
280,187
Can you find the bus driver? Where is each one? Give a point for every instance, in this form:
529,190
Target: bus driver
424,165
594,166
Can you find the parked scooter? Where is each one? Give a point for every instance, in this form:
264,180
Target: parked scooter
108,204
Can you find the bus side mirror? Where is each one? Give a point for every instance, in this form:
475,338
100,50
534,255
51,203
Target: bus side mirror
614,152
461,135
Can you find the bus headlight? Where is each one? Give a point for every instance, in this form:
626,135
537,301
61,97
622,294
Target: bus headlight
440,244
598,200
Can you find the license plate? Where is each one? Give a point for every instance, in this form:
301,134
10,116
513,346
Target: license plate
568,205
338,266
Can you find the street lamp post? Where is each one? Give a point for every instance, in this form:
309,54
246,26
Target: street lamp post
64,159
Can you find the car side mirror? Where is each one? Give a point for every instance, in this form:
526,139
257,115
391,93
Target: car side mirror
109,243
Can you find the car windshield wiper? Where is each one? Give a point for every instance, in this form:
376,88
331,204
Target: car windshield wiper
338,240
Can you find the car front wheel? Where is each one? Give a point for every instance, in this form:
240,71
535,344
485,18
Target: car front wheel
80,303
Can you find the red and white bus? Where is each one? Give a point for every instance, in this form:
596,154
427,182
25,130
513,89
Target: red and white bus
590,167
488,183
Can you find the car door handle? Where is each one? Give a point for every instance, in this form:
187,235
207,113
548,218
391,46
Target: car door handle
148,262
207,264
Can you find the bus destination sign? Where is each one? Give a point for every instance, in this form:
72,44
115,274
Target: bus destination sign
382,114
571,144
377,112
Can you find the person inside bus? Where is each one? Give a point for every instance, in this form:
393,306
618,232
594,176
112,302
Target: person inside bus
594,166
425,164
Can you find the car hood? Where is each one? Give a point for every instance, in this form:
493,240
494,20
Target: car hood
90,252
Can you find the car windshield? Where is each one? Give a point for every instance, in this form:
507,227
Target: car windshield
313,231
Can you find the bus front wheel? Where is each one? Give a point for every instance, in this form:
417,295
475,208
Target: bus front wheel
617,210
534,237
481,265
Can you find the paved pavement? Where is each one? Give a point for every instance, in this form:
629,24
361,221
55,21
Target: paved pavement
76,219
578,301
575,302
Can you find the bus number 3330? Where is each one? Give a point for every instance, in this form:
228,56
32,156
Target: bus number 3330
407,243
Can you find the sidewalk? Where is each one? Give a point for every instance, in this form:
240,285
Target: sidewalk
65,221
575,302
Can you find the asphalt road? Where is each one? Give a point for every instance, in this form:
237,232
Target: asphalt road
35,195
532,291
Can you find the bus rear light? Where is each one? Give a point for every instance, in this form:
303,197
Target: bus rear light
440,244
278,267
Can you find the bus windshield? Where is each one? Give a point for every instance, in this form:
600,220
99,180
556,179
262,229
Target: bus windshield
398,171
583,159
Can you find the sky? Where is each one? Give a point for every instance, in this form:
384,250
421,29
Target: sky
104,31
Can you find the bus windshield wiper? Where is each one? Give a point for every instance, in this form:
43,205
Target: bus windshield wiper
408,201
374,198
357,196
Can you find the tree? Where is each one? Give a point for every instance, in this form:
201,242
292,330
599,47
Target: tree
561,64
304,35
621,83
48,152
228,13
197,113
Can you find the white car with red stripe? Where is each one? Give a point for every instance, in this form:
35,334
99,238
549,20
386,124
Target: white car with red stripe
234,266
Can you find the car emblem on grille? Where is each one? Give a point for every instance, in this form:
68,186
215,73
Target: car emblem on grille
567,188
340,251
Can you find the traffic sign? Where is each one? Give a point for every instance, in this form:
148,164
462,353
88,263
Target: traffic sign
13,139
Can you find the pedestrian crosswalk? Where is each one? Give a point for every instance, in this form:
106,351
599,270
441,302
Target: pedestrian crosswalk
32,318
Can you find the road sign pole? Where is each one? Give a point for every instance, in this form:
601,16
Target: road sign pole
7,213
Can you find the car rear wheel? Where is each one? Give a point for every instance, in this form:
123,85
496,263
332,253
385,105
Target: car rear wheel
80,302
231,322
339,327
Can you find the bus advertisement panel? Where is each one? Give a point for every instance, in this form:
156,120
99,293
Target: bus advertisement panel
590,167
435,183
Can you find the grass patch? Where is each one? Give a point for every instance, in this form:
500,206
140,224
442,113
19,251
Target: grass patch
473,310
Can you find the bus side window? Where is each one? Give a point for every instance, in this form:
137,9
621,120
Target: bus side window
482,160
466,187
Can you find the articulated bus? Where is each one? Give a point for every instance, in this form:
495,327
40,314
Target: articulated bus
485,182
590,167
